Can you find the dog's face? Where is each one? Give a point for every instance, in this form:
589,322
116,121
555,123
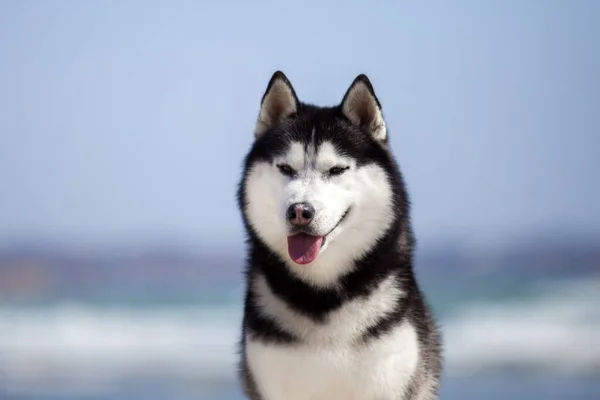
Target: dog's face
318,187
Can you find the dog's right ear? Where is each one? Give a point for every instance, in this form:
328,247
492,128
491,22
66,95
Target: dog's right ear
278,102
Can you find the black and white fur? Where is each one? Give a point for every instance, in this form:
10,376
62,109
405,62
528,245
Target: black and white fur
353,324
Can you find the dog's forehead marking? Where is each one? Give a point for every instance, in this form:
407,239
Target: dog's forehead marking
311,147
307,156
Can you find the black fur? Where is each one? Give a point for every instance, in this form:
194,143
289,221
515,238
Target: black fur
391,256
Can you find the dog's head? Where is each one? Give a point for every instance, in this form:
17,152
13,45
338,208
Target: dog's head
320,187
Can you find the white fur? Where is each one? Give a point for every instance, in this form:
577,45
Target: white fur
364,189
341,370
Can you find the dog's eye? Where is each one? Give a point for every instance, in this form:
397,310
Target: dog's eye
337,170
286,170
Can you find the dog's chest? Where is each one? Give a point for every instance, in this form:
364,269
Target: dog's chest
349,371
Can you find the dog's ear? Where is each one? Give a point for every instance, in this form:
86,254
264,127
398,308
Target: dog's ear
362,108
278,102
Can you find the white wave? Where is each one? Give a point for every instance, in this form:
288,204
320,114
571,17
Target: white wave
91,348
557,331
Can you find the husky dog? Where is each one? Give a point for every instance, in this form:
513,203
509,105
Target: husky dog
332,308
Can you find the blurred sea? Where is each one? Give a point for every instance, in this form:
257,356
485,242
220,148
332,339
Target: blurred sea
505,338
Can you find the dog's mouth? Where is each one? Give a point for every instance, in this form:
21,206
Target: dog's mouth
303,248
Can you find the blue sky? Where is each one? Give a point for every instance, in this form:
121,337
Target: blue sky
128,119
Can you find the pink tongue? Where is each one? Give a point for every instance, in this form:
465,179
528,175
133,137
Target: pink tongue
303,248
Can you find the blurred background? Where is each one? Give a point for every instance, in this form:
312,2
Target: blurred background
123,126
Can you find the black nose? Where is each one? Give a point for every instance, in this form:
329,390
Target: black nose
300,213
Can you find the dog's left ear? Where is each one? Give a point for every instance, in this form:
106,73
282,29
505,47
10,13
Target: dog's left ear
278,102
362,108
